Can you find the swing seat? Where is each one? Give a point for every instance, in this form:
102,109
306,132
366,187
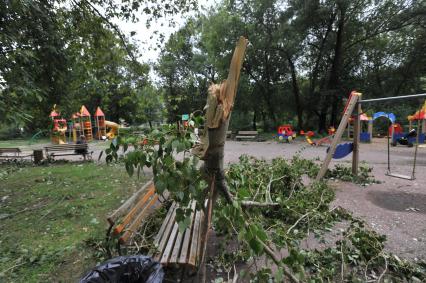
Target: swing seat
342,150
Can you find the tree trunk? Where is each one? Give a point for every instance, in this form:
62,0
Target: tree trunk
296,93
334,111
254,121
219,106
334,79
322,120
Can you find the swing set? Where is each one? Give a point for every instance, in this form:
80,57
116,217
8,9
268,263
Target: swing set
353,107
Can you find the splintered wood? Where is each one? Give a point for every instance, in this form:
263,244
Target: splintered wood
222,96
220,101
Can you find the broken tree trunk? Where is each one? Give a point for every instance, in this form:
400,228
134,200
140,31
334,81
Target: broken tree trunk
218,113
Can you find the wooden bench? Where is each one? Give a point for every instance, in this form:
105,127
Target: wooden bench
180,249
12,153
127,219
5,152
172,248
68,149
247,135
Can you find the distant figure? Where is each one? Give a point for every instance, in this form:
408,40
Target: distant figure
82,151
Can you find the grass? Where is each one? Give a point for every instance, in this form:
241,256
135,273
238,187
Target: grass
22,142
52,218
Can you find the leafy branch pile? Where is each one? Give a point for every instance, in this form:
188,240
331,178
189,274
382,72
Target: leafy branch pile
344,173
358,254
289,212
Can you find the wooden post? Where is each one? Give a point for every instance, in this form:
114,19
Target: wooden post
338,136
370,129
349,130
355,152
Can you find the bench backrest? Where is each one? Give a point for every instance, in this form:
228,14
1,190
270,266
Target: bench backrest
66,147
249,133
10,150
131,202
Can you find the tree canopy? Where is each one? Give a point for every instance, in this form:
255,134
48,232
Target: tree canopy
304,58
72,53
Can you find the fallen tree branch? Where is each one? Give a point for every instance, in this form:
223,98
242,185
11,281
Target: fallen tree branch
277,261
249,203
384,271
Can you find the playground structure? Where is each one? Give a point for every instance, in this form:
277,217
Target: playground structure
113,129
354,107
366,134
86,123
59,127
286,133
420,118
319,142
75,126
80,124
325,140
100,124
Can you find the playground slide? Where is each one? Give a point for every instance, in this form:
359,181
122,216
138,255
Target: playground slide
113,129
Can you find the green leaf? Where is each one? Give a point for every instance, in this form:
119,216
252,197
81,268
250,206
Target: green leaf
256,246
184,224
175,144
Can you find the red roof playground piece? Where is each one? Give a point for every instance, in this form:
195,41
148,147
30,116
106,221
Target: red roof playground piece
54,114
99,112
84,112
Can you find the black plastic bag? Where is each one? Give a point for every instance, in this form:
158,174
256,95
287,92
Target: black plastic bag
132,269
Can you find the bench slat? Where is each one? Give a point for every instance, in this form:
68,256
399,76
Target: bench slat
119,212
140,205
247,133
199,250
195,241
170,243
245,137
177,248
180,248
10,150
164,225
166,234
138,220
183,258
66,146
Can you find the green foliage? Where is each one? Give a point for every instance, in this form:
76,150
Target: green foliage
344,173
167,151
304,58
302,210
73,54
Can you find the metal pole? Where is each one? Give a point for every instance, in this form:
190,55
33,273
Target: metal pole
387,132
415,151
393,98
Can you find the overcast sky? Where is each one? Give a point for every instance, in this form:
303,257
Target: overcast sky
147,46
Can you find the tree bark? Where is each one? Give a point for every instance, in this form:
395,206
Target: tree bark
296,93
254,121
334,79
220,102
